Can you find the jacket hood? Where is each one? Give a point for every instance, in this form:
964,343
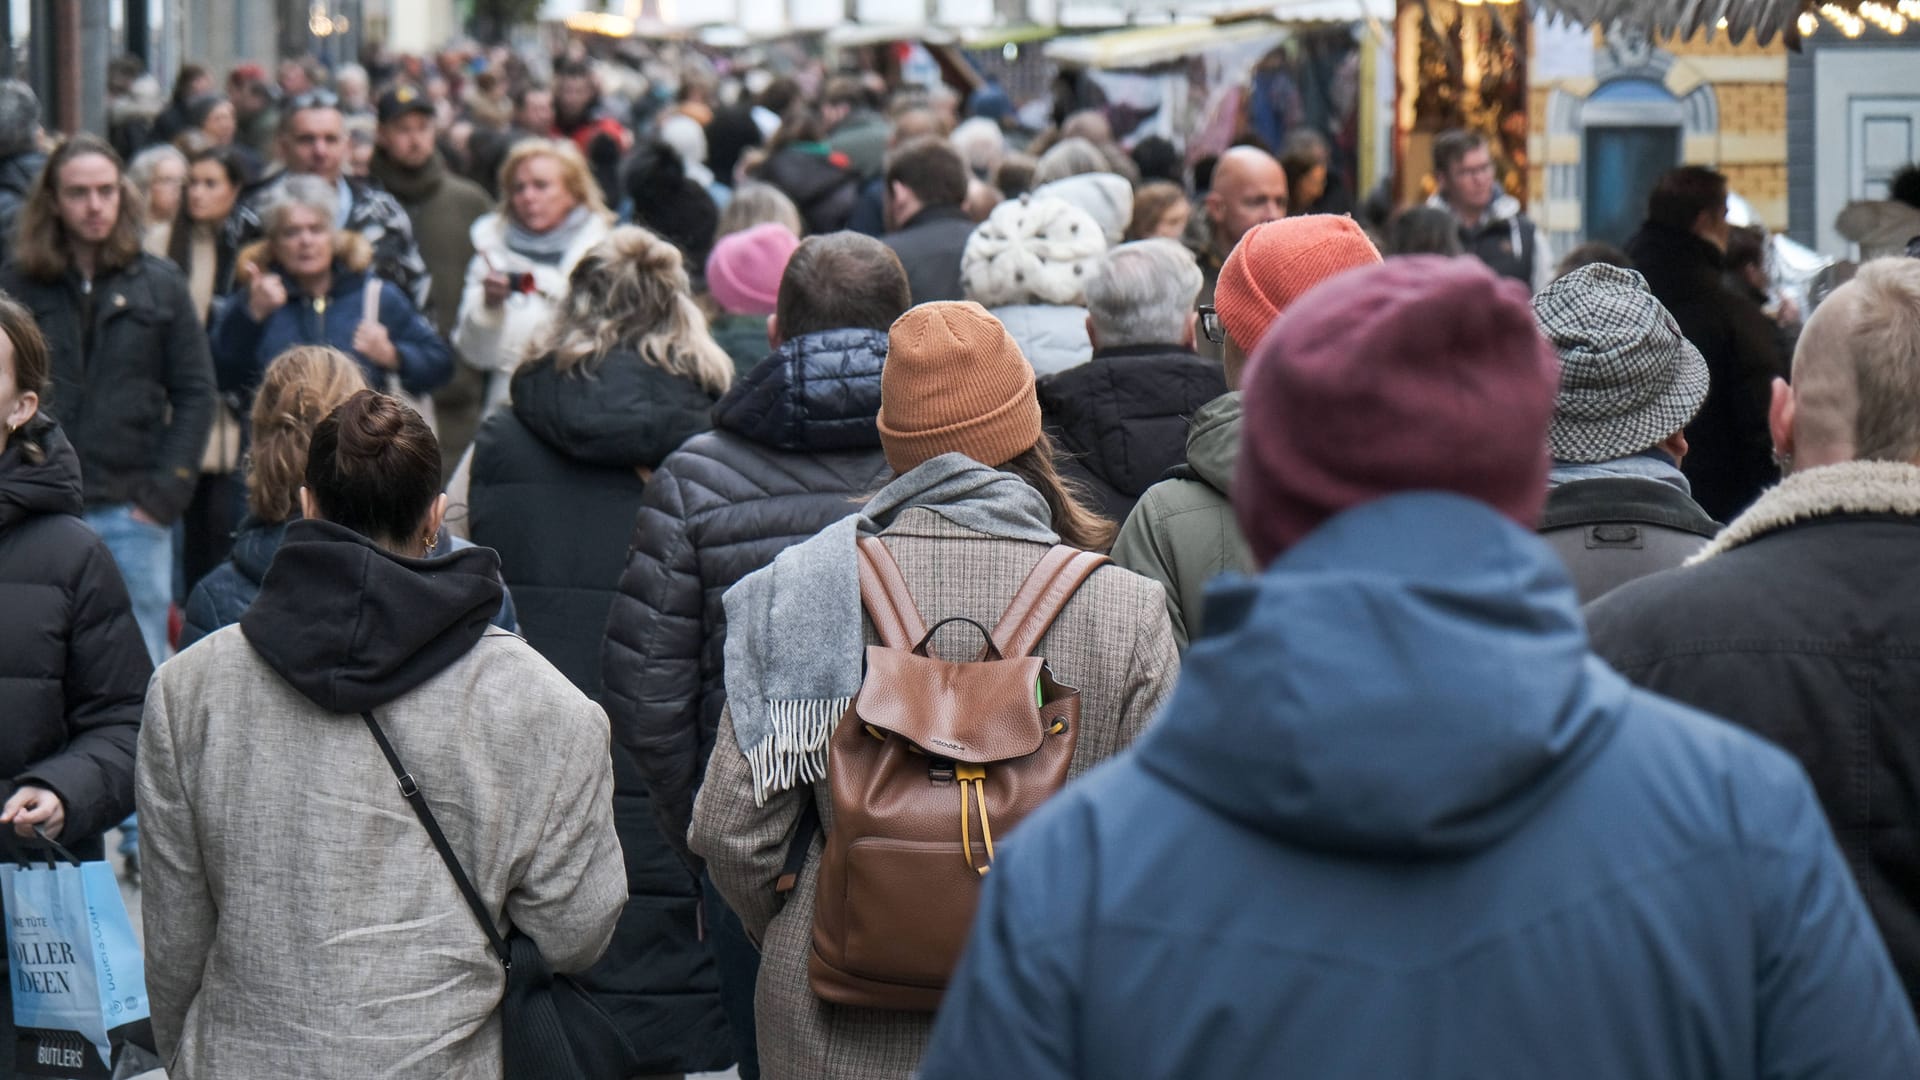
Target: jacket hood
51,486
254,545
1124,413
353,626
1213,444
352,255
1888,223
1429,685
816,393
625,413
18,171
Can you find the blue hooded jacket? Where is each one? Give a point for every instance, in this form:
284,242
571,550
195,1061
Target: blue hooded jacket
1397,821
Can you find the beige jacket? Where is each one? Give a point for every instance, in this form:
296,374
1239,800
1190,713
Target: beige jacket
298,921
1112,642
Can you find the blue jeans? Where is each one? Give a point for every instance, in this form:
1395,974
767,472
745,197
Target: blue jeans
144,554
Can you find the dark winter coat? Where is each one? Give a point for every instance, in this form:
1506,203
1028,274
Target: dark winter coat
1731,455
557,479
1610,531
242,348
745,339
930,246
220,598
822,183
132,386
795,448
1799,623
73,667
1121,420
1397,821
17,174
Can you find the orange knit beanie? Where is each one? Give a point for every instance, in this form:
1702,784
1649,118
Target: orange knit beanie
1276,262
955,382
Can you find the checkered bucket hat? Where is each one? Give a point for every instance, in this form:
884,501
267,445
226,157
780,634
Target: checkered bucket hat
1628,377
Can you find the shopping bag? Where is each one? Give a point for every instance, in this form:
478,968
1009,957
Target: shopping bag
79,979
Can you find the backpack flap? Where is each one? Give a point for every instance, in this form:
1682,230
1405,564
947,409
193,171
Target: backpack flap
972,712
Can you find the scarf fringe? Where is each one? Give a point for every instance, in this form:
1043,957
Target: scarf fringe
795,752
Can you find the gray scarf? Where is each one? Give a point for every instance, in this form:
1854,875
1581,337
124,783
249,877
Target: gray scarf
793,650
1652,465
548,247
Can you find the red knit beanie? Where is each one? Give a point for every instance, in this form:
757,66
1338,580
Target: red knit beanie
1423,374
1276,262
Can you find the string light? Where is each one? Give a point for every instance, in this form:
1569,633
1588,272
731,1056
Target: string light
1884,17
1810,23
1910,9
1850,24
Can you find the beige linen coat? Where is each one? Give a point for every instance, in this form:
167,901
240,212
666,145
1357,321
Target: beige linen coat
1112,641
298,921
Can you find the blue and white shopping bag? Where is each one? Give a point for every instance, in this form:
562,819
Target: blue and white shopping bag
78,976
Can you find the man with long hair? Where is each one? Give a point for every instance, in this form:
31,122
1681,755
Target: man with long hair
132,378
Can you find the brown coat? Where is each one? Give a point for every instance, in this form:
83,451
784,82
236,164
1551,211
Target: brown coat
1112,641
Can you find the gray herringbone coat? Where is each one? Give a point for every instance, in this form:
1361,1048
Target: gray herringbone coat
1112,641
298,922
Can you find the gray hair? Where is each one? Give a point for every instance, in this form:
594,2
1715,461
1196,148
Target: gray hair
19,117
301,192
1856,374
140,170
1143,294
981,144
1069,157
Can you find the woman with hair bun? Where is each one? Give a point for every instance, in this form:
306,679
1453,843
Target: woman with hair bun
625,374
286,875
302,385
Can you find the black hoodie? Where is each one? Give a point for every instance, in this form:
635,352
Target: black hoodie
73,667
353,626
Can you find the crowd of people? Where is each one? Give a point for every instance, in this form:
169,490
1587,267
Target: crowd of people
1487,662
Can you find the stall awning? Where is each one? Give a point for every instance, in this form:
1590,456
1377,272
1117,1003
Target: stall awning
1333,10
1151,46
855,35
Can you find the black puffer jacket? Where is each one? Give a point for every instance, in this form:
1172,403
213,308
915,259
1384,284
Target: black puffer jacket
556,482
17,173
1120,421
820,182
73,668
795,448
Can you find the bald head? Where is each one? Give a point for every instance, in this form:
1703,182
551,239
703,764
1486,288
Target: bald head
1249,188
1856,374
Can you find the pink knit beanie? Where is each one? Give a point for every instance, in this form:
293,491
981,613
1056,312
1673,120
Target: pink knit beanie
743,272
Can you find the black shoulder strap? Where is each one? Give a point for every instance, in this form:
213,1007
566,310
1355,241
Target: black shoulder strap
411,790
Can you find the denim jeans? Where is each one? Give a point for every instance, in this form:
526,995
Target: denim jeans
144,554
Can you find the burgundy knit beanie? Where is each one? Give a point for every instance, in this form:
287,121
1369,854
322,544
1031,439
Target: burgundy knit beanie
1421,374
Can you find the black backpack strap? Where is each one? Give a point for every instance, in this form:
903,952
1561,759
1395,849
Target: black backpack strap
411,790
1047,589
803,833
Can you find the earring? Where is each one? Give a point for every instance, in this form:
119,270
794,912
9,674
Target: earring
432,541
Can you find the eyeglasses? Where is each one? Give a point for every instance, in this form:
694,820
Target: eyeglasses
1211,326
313,99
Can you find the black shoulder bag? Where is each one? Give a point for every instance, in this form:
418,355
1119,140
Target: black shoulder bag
550,1026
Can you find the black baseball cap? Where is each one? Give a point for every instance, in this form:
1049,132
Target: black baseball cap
400,101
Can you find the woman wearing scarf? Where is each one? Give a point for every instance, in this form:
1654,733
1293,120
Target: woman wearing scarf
550,215
975,505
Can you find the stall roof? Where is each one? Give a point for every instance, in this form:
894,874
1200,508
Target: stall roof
854,35
1151,46
1333,10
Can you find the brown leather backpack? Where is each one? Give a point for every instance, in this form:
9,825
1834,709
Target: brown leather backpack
930,764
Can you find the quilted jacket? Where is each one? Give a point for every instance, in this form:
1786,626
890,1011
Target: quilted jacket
794,449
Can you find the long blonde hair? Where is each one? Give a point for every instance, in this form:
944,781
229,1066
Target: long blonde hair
631,291
574,173
301,387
